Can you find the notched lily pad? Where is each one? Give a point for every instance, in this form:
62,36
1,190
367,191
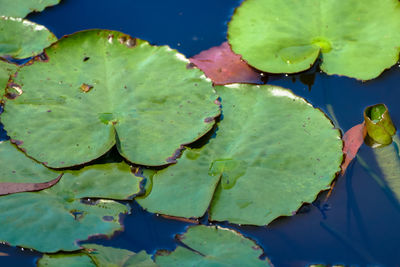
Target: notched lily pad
97,255
286,155
20,38
21,8
101,88
213,246
354,38
56,218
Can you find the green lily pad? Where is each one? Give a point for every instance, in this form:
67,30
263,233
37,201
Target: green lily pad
354,38
6,69
56,218
101,88
15,167
213,246
21,8
65,260
109,256
379,125
272,152
97,255
20,38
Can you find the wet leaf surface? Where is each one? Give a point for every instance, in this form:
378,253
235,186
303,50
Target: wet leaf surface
252,171
105,88
97,255
353,38
352,140
56,218
223,66
213,246
21,8
20,38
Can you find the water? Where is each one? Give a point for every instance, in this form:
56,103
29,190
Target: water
358,224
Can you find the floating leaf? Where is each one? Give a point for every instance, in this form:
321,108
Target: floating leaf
65,260
97,255
6,69
21,8
223,66
213,246
15,167
352,140
272,152
101,88
56,218
20,38
354,38
109,256
379,124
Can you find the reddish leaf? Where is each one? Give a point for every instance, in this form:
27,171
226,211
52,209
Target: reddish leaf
352,139
11,188
223,66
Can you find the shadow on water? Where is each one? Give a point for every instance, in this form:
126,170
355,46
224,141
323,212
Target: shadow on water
357,224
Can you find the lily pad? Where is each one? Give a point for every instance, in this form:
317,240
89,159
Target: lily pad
101,88
109,256
272,152
21,8
213,246
15,167
97,255
56,218
65,260
354,38
20,38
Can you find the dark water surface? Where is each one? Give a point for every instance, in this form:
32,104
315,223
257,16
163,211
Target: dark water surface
358,224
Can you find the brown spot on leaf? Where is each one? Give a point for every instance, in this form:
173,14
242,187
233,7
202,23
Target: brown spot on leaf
43,57
13,90
174,156
86,87
108,218
86,59
131,42
17,142
190,65
122,39
208,119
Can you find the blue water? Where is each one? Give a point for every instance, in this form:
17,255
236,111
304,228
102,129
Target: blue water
358,224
